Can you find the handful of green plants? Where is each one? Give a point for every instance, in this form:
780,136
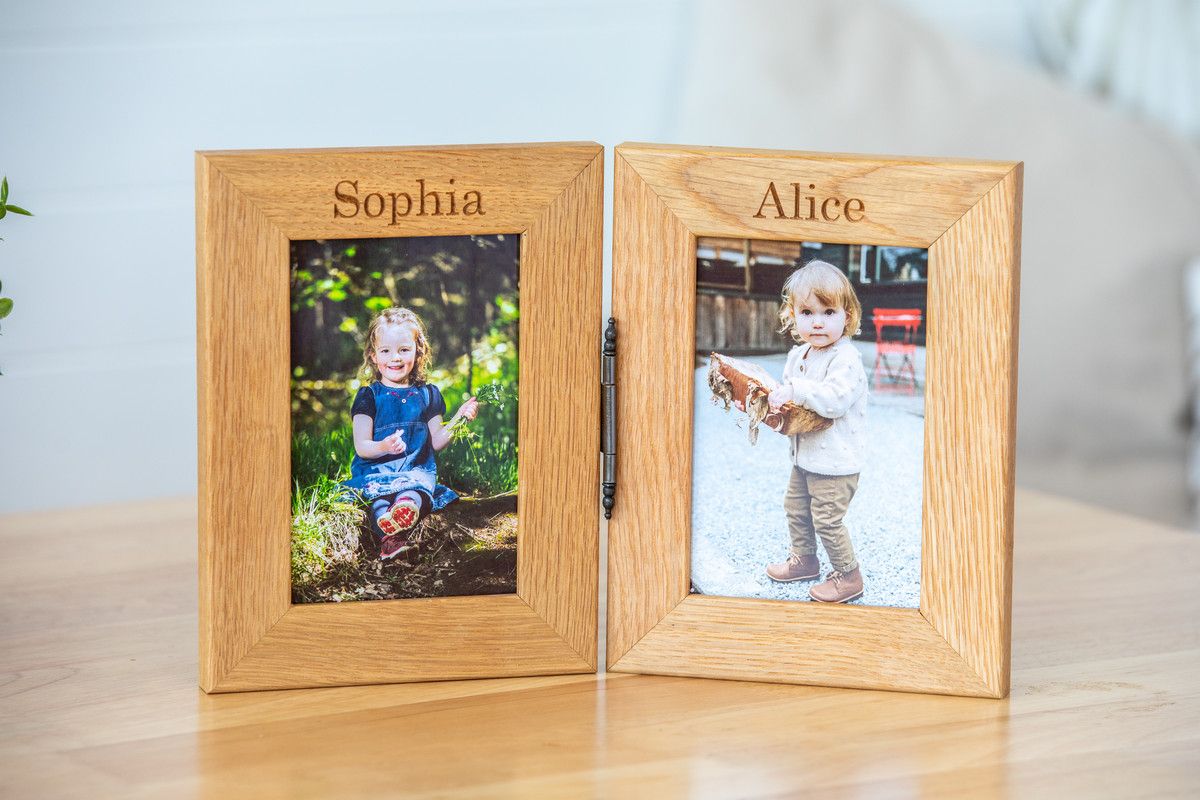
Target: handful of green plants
491,394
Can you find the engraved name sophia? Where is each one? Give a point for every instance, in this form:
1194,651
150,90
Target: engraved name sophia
424,201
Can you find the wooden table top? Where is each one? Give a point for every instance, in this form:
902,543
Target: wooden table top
98,693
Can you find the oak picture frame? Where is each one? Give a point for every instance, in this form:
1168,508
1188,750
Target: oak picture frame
968,215
249,206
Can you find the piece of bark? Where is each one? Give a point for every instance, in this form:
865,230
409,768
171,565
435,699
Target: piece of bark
734,379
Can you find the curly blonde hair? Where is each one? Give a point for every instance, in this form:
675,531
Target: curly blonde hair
829,285
400,317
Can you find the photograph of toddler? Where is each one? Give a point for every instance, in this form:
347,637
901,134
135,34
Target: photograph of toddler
825,374
825,505
404,417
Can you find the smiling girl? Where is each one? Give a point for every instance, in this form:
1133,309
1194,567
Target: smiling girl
398,428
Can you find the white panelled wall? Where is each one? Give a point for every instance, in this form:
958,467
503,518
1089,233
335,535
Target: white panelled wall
103,105
102,108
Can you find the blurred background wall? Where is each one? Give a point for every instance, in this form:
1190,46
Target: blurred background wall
103,106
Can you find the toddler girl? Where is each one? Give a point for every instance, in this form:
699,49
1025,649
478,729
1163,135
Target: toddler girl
823,373
398,427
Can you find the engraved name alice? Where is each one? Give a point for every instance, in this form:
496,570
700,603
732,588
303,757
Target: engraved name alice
830,208
347,202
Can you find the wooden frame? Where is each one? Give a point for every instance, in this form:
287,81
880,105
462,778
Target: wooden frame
249,205
967,213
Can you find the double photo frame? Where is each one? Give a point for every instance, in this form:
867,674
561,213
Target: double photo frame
672,207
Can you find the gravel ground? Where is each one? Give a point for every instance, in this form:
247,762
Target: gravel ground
738,524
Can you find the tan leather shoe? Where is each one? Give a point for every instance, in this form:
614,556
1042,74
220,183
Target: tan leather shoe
838,587
796,568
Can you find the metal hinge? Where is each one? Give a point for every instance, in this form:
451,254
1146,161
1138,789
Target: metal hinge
608,417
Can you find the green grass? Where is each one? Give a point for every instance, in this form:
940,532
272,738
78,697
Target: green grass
325,530
325,519
317,456
481,461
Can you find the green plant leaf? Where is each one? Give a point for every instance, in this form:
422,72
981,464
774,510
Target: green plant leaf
17,209
4,190
6,306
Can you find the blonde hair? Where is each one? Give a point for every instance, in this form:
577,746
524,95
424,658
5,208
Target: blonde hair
829,285
401,317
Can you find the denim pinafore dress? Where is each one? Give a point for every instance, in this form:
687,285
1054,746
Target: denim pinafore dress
401,408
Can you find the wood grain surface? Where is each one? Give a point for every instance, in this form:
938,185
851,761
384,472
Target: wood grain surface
244,409
294,189
653,301
249,205
716,191
558,558
98,693
968,214
970,430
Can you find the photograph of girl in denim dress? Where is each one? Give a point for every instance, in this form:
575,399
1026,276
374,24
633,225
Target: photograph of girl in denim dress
404,392
398,428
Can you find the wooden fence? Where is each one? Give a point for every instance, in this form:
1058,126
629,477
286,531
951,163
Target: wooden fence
738,325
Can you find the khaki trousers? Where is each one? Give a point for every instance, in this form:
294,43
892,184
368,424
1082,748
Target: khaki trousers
815,506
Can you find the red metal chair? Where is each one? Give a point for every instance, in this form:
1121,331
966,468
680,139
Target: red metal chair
908,319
